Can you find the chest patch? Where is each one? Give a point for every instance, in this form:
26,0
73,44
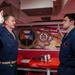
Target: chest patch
66,43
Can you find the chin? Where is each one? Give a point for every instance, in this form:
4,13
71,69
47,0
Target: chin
13,27
64,27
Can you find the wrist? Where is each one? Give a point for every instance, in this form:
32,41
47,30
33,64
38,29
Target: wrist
0,23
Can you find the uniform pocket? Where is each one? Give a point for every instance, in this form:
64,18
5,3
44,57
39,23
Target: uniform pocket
63,70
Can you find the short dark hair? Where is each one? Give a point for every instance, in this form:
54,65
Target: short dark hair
6,16
71,17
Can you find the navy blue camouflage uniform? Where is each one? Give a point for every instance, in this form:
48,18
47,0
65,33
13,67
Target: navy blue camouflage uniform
67,54
8,52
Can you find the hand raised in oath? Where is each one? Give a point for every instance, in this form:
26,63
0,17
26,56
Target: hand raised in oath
1,17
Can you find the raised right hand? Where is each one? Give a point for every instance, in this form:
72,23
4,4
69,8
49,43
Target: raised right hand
1,17
58,28
59,32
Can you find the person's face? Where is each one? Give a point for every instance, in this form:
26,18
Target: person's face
66,23
10,22
26,36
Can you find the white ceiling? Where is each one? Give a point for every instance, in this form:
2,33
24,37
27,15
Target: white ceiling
59,8
33,4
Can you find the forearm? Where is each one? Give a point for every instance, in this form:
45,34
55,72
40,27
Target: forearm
0,25
60,35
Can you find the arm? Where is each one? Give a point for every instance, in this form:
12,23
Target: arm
0,25
1,45
1,21
1,18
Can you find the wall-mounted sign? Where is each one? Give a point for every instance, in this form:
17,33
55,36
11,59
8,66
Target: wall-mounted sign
44,39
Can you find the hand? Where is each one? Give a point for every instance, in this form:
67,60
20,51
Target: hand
1,17
58,28
59,32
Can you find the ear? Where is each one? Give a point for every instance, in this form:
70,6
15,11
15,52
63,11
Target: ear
6,22
72,22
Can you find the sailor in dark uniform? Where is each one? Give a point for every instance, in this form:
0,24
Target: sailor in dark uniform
67,49
26,41
8,45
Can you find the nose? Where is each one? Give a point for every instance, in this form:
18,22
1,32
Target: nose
14,22
63,22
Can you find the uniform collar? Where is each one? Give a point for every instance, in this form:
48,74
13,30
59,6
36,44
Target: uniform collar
7,31
70,33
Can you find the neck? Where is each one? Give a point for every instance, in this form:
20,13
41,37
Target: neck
9,29
70,28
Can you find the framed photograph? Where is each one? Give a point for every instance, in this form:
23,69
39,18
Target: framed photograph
27,37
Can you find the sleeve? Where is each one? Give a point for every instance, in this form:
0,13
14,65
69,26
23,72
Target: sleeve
1,44
0,37
1,28
0,25
71,61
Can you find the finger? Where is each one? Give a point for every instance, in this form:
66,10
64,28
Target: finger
58,25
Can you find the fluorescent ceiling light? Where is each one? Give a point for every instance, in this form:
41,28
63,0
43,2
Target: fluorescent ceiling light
53,0
33,4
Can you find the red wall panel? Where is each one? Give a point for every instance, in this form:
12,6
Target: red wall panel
27,54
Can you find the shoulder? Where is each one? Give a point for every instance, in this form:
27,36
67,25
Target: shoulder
73,35
2,30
